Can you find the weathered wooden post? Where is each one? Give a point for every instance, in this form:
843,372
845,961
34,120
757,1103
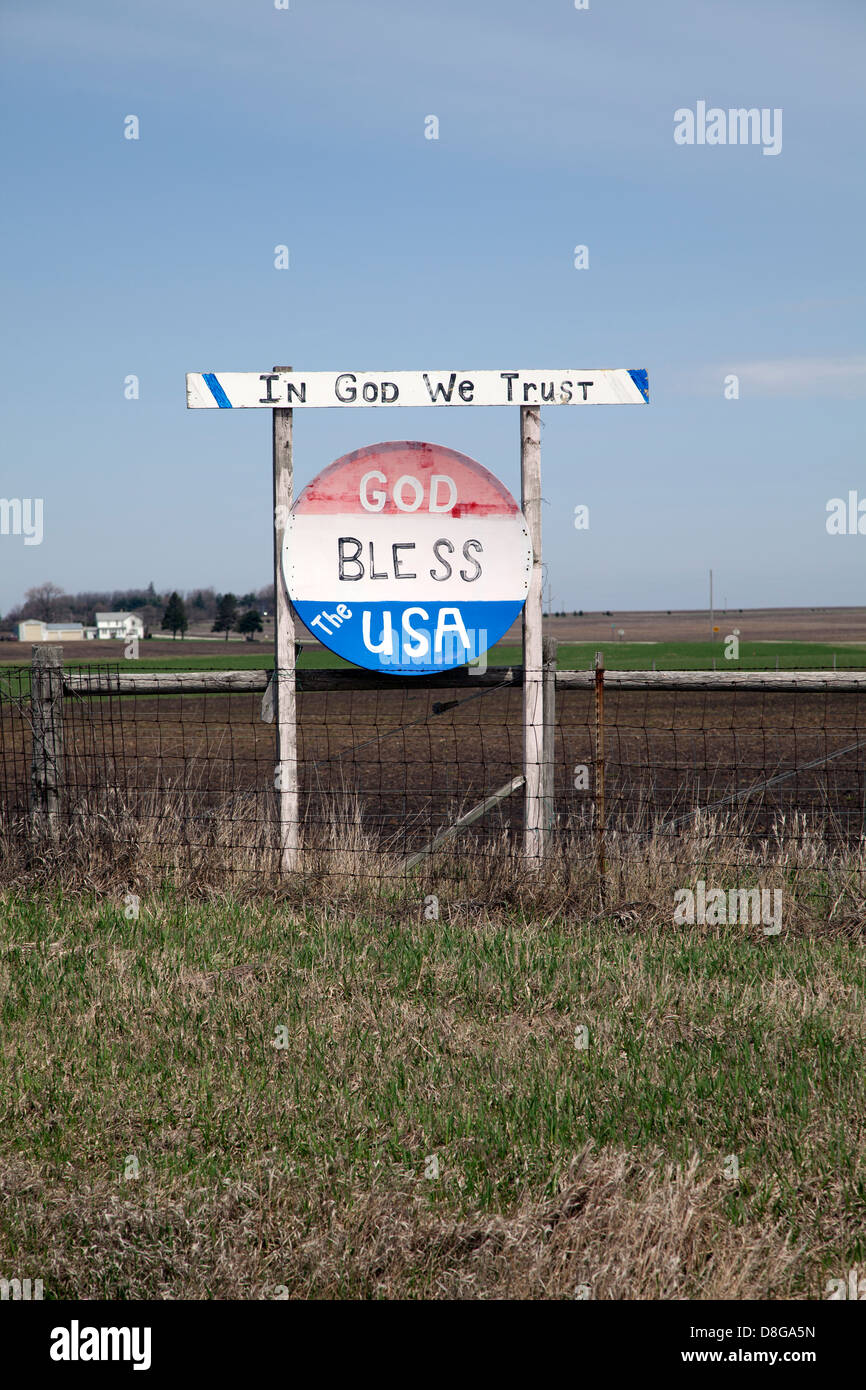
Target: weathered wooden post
285,700
549,647
46,717
533,711
599,770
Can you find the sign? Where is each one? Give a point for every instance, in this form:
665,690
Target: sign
562,386
407,558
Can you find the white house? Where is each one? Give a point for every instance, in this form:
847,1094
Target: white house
119,625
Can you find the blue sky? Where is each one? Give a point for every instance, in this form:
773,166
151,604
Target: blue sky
305,127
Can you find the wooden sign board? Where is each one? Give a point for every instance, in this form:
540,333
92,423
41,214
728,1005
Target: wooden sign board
299,390
407,558
297,558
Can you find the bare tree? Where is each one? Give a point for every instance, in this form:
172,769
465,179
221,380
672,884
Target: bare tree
43,601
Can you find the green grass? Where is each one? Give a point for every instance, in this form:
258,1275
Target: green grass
573,656
407,1038
697,656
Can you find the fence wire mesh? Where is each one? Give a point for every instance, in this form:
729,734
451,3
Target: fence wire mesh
755,777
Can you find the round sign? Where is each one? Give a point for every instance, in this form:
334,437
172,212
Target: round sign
407,558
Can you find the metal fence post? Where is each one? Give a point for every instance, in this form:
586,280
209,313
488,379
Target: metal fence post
549,648
46,717
599,770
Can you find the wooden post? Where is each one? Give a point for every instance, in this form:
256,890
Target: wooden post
533,712
285,702
549,647
599,769
46,715
468,819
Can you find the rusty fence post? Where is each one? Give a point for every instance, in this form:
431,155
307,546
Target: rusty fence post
549,646
46,716
599,771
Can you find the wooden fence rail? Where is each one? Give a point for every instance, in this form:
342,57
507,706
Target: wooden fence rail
96,682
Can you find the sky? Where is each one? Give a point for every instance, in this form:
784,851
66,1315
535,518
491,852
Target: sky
305,127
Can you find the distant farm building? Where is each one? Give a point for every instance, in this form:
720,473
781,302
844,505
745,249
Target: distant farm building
119,625
34,630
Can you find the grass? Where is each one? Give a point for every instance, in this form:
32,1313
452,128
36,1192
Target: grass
303,1164
573,656
320,1085
697,656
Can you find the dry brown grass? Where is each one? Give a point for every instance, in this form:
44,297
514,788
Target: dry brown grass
619,1227
166,835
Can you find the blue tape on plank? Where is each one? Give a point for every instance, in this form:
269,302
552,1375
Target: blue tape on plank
641,381
216,391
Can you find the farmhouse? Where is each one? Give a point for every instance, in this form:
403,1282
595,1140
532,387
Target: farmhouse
118,625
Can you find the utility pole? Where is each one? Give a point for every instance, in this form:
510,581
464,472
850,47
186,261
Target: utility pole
711,605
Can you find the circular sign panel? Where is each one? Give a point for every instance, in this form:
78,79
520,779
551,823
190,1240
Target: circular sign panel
407,558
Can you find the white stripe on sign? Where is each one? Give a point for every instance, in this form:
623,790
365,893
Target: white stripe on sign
359,558
547,386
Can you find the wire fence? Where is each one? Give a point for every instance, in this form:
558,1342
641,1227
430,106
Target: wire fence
128,771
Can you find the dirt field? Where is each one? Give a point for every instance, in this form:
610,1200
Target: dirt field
155,648
755,624
409,769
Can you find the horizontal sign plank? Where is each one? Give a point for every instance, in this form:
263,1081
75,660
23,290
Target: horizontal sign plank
560,386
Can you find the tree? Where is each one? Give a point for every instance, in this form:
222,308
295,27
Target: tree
250,623
43,599
174,619
227,612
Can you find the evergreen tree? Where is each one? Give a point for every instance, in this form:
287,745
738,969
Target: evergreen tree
227,612
250,623
174,619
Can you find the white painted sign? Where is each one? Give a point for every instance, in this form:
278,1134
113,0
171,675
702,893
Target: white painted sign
560,386
407,558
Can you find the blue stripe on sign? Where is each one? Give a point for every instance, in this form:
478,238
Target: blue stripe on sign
413,650
216,391
641,381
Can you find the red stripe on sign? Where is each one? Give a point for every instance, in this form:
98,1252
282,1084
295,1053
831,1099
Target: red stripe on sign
405,477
